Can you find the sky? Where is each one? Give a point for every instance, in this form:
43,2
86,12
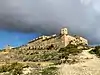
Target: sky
22,20
15,39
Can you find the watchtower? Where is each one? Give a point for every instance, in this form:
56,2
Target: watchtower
64,31
64,38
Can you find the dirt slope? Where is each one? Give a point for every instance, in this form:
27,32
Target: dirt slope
90,66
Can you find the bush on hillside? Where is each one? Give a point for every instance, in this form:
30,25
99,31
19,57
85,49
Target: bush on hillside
96,51
67,51
49,71
70,49
14,68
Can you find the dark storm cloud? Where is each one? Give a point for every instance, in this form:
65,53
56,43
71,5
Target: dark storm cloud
82,17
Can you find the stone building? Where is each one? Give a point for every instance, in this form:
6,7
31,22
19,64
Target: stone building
54,41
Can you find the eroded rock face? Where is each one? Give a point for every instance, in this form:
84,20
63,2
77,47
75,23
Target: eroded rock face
54,41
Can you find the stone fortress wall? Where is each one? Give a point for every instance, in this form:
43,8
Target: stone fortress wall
54,41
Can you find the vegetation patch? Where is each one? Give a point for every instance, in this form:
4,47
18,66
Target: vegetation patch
14,68
54,56
49,71
96,51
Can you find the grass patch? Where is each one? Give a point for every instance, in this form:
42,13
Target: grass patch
49,71
14,68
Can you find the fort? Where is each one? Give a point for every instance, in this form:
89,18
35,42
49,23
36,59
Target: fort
54,41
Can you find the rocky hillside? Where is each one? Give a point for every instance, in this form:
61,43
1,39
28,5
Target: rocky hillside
71,60
55,57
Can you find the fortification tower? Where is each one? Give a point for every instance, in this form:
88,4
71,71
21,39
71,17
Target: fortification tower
64,38
64,31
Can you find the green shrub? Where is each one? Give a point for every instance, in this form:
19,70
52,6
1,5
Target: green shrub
49,71
96,51
70,49
14,68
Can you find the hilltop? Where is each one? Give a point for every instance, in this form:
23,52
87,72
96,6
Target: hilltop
55,41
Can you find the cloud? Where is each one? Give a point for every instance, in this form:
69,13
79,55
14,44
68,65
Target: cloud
82,17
